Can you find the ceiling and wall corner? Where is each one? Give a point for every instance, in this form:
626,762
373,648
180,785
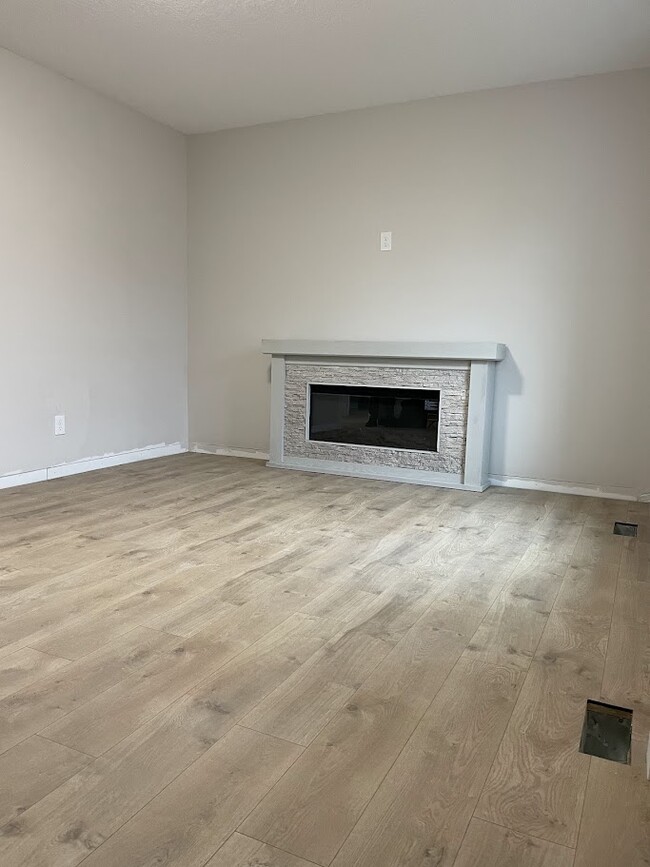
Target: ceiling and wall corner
203,66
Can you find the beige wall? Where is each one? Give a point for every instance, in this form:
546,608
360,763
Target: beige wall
92,273
520,215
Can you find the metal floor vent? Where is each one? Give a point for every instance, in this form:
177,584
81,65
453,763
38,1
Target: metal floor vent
607,732
623,529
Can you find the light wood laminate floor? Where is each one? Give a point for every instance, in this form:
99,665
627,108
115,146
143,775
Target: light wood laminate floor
204,661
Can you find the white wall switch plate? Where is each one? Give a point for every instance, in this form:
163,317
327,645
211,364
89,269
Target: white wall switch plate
59,425
386,241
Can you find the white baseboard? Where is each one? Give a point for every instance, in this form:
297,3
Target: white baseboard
14,480
113,460
556,487
86,465
161,450
552,487
208,449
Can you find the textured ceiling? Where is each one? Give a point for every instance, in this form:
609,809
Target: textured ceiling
202,65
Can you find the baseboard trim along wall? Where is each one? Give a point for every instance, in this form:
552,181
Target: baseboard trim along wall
162,450
208,449
14,480
556,487
551,487
86,465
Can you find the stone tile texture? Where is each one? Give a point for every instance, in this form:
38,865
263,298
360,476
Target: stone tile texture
453,383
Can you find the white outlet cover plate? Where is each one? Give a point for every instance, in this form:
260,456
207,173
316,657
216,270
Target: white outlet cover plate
59,425
386,241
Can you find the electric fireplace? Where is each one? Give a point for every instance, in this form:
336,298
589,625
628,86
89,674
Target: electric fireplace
398,418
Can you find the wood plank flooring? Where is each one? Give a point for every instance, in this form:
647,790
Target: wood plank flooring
208,663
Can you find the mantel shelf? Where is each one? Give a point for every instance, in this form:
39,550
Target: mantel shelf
385,349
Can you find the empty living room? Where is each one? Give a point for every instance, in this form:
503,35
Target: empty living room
325,433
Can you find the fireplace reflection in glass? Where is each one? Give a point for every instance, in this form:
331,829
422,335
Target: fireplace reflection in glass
396,418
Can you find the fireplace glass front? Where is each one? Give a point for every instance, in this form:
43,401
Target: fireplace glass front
396,418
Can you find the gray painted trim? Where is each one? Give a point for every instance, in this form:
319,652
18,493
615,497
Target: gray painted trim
479,419
479,422
386,349
278,366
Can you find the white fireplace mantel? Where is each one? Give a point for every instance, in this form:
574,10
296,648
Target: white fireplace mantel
477,361
386,349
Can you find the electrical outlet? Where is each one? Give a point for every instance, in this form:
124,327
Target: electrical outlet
59,425
386,241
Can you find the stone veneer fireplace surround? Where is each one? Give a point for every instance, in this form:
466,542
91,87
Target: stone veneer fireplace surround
462,372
